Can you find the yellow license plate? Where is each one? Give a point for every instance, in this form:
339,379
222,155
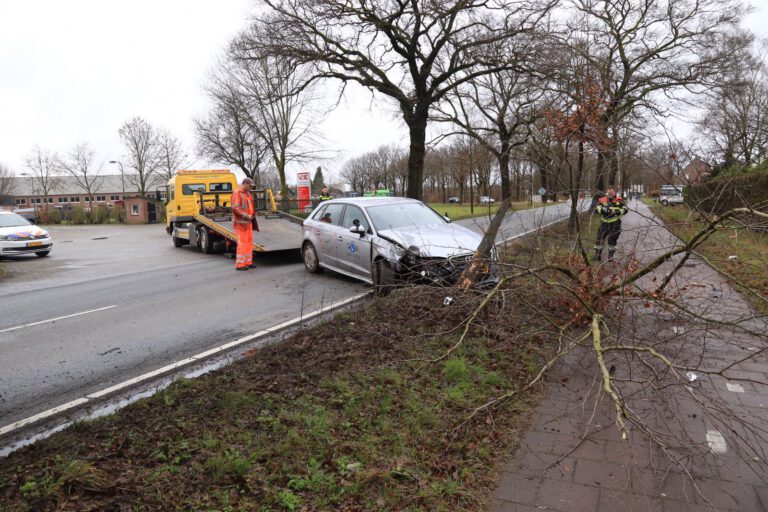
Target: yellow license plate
34,244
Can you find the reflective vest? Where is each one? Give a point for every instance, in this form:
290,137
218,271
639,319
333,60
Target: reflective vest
611,209
324,197
242,206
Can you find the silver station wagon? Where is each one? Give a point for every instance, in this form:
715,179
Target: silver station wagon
387,241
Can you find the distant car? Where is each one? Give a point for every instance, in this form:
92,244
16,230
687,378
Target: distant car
454,200
486,200
352,193
387,241
19,236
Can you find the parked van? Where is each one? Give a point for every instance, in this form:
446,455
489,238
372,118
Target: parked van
671,194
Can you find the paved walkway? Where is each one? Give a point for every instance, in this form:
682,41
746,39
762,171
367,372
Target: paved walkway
713,427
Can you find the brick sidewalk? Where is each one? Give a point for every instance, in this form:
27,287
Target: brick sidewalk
572,459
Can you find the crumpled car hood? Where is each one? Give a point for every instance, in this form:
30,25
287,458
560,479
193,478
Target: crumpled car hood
437,240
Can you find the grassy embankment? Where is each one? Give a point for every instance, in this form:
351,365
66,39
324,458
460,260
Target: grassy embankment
739,252
349,415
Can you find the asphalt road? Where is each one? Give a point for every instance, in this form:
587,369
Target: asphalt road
164,303
140,304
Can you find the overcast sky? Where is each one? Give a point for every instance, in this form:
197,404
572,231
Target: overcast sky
74,71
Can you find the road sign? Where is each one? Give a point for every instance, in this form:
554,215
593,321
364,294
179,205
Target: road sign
542,191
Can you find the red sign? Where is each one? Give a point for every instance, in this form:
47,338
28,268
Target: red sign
304,190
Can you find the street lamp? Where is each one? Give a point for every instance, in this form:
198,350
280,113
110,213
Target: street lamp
122,174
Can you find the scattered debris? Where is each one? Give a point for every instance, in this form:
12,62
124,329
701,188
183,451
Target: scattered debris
448,301
732,257
678,329
691,377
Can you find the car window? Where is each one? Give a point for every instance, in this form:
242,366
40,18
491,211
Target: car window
332,214
352,214
319,213
12,219
398,215
220,187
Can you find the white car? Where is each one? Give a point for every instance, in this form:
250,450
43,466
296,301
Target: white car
19,236
486,200
387,240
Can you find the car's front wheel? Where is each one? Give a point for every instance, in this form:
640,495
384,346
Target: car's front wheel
383,277
311,262
42,254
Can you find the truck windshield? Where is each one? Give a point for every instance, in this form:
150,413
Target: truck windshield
190,188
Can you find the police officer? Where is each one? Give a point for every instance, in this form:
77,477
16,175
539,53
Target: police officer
611,209
324,194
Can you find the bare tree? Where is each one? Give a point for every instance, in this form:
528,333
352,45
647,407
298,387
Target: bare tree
279,103
498,110
144,153
172,154
735,124
226,135
414,53
7,183
43,168
81,165
648,50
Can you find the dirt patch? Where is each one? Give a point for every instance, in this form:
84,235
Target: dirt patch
349,415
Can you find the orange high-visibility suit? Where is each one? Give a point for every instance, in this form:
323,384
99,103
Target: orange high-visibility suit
242,213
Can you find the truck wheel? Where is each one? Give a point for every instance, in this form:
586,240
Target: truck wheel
177,242
383,278
206,244
311,262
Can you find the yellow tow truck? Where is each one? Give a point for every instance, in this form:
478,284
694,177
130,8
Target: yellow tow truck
199,214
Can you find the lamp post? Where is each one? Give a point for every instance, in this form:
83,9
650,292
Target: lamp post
122,174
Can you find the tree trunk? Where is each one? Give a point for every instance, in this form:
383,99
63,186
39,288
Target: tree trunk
504,169
417,127
573,219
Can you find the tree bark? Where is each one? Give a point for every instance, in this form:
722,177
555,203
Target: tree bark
417,127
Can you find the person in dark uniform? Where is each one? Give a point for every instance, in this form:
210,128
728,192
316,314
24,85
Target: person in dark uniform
611,209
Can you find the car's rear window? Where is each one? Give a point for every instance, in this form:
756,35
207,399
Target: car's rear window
9,220
220,187
190,188
393,216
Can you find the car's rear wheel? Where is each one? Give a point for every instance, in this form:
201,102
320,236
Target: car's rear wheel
665,202
311,262
383,278
42,254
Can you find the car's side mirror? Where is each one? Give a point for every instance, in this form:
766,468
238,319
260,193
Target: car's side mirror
447,218
357,229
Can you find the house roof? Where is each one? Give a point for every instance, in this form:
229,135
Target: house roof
67,185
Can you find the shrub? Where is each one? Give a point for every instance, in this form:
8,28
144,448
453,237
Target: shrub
77,215
100,215
725,192
54,216
118,213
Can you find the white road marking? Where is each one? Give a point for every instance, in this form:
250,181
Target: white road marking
58,318
716,442
178,364
45,414
735,388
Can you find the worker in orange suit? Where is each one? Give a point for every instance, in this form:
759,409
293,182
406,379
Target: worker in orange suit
242,219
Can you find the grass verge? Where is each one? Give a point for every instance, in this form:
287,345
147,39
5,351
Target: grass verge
349,415
464,211
734,250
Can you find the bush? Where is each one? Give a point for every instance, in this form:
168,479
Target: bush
118,213
77,215
54,216
726,192
100,215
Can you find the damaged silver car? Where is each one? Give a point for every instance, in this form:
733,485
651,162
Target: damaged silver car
389,241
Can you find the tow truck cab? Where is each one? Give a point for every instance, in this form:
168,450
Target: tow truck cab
181,205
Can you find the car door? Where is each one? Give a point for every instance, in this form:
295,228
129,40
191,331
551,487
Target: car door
327,231
354,250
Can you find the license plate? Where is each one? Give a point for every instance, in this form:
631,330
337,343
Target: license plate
34,244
